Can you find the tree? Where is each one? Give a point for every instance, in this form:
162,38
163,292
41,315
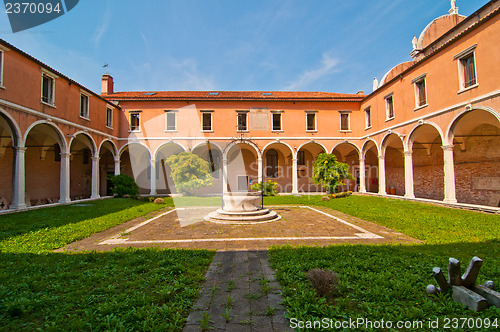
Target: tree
329,172
123,184
189,172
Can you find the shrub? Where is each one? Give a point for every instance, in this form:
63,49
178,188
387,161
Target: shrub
325,198
159,201
268,188
189,172
325,282
123,184
329,172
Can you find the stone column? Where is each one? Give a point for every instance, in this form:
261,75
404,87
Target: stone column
260,170
295,180
64,190
362,176
152,171
409,174
449,175
19,179
95,178
117,166
224,175
381,175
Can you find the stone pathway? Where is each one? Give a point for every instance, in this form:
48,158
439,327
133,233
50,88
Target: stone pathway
240,293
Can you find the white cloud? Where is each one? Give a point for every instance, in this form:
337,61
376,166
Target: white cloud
328,67
103,26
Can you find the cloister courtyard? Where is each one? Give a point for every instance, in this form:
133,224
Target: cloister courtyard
125,264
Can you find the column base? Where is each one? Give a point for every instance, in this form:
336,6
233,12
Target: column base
409,196
18,207
95,197
65,200
452,201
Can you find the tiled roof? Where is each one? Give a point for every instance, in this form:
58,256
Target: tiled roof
234,96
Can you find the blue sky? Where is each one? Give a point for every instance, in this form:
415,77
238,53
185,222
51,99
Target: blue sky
299,45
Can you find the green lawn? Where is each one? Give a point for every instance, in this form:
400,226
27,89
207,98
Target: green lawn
388,281
122,290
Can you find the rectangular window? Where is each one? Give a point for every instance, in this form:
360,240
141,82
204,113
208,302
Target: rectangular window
467,68
135,121
301,158
109,117
368,117
311,121
242,121
389,107
84,106
420,91
206,119
171,120
276,121
344,122
86,156
47,89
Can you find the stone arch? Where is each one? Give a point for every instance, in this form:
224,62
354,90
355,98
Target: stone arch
211,153
10,138
306,155
425,143
278,167
370,153
135,161
392,149
475,136
164,182
348,152
246,142
242,168
45,147
107,153
82,149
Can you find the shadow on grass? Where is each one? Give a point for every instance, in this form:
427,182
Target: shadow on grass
15,224
127,289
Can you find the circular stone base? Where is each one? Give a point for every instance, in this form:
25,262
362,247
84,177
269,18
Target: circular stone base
242,218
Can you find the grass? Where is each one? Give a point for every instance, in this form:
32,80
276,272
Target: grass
47,229
388,281
123,290
431,223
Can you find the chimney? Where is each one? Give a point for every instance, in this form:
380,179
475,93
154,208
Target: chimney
107,84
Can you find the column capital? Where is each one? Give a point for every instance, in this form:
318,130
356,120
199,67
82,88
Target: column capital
20,148
65,154
96,158
295,160
380,156
448,147
117,160
408,153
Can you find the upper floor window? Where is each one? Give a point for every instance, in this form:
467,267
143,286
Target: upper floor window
135,121
420,91
368,117
276,119
48,89
170,120
206,120
84,106
242,120
109,117
389,107
345,121
311,121
467,68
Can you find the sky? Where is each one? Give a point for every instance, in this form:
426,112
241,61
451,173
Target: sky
273,45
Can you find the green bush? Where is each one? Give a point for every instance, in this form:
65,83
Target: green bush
268,188
189,172
329,172
123,184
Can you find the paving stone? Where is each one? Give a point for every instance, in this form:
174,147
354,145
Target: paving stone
280,322
194,317
191,328
262,324
275,301
259,306
235,327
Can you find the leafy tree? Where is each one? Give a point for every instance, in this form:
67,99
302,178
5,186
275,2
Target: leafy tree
268,188
189,172
329,172
123,184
